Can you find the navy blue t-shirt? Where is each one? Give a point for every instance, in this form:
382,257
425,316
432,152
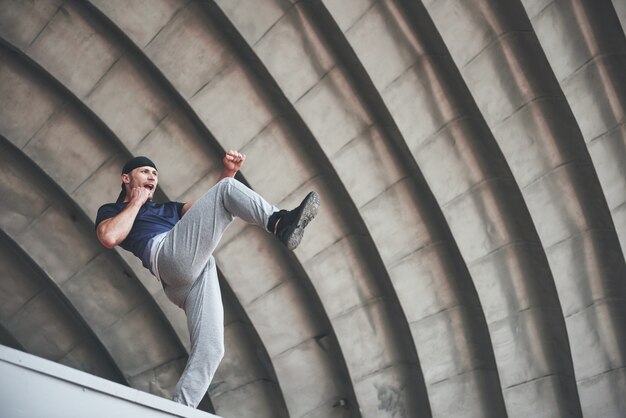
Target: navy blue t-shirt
153,219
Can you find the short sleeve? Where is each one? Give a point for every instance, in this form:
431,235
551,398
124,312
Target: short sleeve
105,212
179,209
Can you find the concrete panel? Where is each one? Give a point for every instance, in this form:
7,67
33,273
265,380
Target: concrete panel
56,241
31,104
597,95
485,21
103,292
433,276
273,144
22,203
590,327
535,7
501,280
257,397
467,395
141,342
582,278
331,111
305,364
385,395
347,13
252,26
22,21
368,150
178,152
340,278
558,218
17,285
139,26
570,37
125,100
82,357
103,185
294,54
51,338
188,50
549,391
245,380
384,45
233,373
456,158
233,99
73,50
523,140
160,380
413,100
594,393
521,360
488,202
459,351
251,283
370,341
498,86
267,308
388,222
604,151
67,142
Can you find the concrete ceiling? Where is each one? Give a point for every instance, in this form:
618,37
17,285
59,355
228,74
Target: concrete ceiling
468,258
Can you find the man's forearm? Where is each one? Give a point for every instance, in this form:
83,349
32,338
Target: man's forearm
227,173
114,231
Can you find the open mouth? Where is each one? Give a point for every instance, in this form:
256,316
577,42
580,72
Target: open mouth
149,186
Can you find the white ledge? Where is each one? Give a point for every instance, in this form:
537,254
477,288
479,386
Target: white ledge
31,386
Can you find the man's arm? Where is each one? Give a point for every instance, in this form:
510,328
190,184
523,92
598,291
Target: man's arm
232,163
113,231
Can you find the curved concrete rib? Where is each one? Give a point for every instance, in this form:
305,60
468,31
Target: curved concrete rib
409,65
245,380
175,316
586,49
540,138
357,143
339,260
158,46
60,237
37,314
557,179
174,133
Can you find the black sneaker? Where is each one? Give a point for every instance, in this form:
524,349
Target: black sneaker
288,225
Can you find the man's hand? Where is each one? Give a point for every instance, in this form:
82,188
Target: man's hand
139,195
232,163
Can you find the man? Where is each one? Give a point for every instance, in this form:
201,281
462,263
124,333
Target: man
175,241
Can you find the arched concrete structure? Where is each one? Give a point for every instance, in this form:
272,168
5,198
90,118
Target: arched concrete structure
468,258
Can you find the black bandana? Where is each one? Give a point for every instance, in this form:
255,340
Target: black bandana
132,164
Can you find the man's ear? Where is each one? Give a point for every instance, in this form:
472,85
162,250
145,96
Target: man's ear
125,178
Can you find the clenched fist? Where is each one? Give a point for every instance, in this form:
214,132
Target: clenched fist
233,161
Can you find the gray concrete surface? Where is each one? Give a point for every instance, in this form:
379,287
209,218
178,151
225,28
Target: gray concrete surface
468,258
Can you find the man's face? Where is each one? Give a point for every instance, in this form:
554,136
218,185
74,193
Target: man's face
146,177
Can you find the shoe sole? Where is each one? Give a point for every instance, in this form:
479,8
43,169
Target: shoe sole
308,210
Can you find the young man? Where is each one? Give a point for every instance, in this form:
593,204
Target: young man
175,241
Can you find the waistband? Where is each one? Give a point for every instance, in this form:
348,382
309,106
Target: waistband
155,247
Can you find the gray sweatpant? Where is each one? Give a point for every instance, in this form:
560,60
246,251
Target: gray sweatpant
187,270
